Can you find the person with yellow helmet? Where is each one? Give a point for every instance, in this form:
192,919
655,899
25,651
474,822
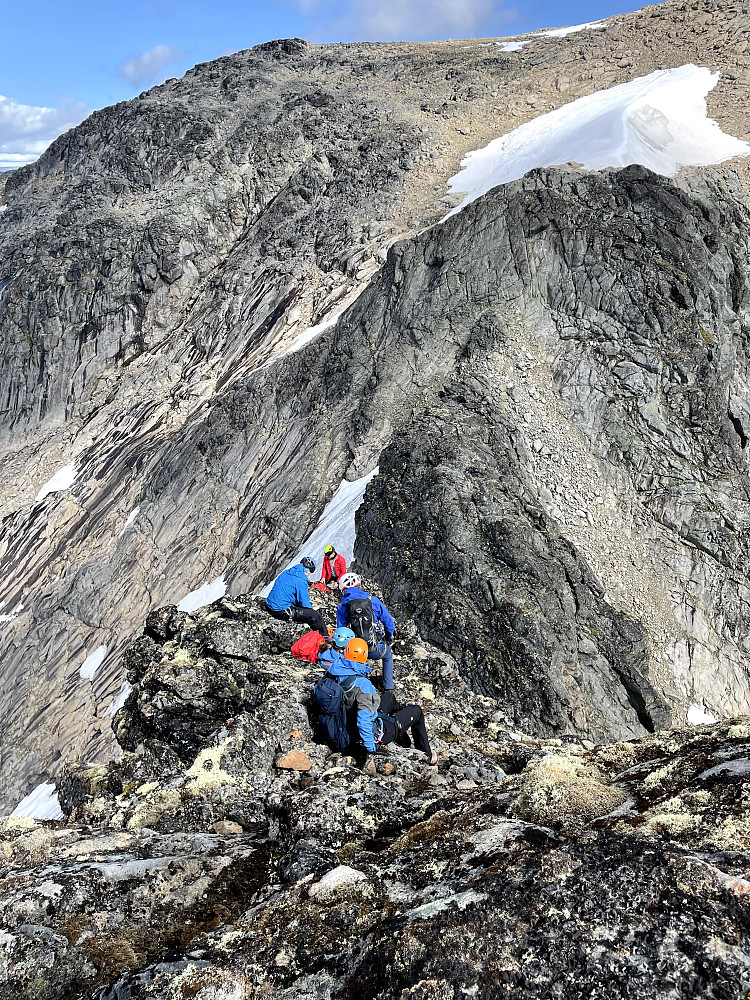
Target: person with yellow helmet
334,567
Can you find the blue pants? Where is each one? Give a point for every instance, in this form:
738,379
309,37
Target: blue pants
384,653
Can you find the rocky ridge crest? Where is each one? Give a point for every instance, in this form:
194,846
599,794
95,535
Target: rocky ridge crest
227,854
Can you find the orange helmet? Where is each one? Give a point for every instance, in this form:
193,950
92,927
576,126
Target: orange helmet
356,650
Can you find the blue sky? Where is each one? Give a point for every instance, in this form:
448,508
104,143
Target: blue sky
61,60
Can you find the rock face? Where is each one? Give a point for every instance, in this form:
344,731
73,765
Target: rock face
584,335
518,867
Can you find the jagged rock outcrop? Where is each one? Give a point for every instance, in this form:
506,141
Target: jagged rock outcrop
159,255
216,729
620,868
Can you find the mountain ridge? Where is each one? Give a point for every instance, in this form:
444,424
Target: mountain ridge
166,252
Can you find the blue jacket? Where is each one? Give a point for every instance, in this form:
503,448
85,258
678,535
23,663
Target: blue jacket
379,610
290,590
361,695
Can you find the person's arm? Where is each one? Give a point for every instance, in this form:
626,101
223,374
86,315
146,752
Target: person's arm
302,593
366,700
384,615
325,573
341,616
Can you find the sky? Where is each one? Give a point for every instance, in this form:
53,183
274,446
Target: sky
59,61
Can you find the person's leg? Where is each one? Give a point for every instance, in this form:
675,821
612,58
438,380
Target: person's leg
387,668
311,617
412,717
282,616
388,704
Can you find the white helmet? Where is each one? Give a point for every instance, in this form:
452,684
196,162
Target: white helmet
349,580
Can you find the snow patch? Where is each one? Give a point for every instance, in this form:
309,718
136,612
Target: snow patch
310,334
63,479
658,120
562,32
131,517
92,663
114,707
511,46
697,715
12,614
204,595
41,803
336,525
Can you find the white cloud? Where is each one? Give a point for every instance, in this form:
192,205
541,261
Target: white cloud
26,131
409,20
397,19
143,70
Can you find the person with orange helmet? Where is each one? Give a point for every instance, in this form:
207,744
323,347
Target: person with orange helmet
379,720
349,667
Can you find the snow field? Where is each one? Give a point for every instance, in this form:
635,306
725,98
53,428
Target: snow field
41,803
92,663
335,527
131,517
697,715
206,594
562,32
659,121
117,703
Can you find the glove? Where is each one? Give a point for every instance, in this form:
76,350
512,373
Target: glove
388,636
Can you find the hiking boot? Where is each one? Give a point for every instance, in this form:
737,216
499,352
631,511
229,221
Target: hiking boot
433,759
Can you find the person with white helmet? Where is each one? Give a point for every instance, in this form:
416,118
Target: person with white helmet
289,599
370,619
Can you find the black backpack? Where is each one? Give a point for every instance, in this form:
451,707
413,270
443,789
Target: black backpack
329,699
362,621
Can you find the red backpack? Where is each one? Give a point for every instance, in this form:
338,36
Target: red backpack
308,647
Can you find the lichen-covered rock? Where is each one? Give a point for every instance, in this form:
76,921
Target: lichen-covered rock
217,728
518,867
35,963
564,793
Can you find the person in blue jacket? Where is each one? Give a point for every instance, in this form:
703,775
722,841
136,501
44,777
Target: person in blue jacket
379,720
360,696
384,625
289,599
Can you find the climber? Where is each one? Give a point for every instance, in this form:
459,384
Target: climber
378,719
370,620
334,567
394,723
289,599
346,663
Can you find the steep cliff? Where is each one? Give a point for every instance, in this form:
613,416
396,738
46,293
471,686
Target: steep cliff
554,380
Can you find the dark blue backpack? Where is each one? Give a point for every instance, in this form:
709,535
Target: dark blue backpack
329,699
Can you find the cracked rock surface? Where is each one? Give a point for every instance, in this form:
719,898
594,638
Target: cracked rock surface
157,265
